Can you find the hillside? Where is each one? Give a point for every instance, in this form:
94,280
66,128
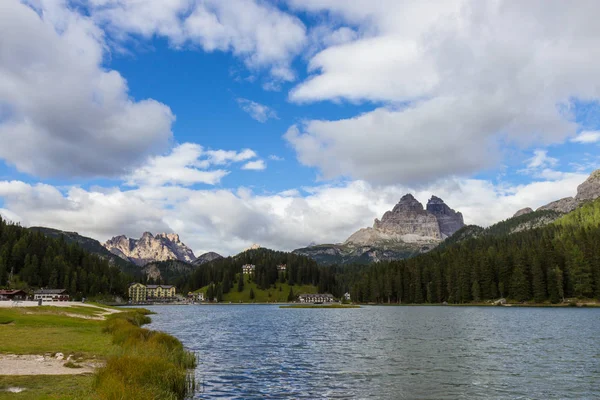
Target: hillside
279,292
91,245
518,223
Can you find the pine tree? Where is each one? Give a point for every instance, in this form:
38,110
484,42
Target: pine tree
539,284
291,295
475,290
251,294
240,287
519,288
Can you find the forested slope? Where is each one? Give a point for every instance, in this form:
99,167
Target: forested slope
30,259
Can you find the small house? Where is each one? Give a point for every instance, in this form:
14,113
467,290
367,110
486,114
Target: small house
282,267
347,296
14,295
51,295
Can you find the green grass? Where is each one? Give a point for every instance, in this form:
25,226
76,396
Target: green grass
41,330
47,387
263,296
148,365
319,306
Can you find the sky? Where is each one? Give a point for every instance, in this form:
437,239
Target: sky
290,122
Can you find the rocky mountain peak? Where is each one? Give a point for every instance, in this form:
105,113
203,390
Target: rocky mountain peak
162,247
449,220
523,211
590,189
407,203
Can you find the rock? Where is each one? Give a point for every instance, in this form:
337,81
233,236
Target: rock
565,205
500,302
409,217
59,356
523,211
587,191
207,257
590,189
449,220
162,247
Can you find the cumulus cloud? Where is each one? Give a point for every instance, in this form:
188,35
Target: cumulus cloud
257,111
449,73
61,112
587,137
228,221
258,32
188,164
257,165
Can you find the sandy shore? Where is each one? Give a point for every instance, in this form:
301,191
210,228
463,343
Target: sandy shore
11,364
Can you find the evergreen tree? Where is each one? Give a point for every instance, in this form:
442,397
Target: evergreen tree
291,295
519,289
240,287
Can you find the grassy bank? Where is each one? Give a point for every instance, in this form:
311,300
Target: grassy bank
139,363
148,364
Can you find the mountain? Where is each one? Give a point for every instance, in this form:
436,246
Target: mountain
149,248
408,229
555,263
587,191
90,245
207,257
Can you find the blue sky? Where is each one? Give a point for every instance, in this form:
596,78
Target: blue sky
289,122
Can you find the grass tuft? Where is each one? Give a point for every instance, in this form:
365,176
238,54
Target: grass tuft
149,364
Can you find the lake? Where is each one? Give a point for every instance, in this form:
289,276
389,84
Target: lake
378,352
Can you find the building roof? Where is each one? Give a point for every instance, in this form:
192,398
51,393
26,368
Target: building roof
9,292
51,291
157,286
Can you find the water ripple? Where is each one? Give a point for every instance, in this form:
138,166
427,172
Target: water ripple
263,352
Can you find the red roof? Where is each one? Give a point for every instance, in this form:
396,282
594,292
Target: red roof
8,292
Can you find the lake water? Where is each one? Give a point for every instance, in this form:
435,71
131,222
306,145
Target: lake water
262,351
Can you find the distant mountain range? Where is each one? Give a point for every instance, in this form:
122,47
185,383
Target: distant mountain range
408,229
148,248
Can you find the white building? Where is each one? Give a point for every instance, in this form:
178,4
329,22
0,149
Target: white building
248,268
347,296
51,295
316,298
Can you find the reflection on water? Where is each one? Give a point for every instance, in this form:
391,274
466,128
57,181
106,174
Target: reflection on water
260,351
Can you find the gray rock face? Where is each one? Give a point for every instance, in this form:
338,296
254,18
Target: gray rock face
590,189
162,247
523,211
587,191
207,257
449,220
409,218
565,205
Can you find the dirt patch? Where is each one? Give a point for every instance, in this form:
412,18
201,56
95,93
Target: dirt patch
12,364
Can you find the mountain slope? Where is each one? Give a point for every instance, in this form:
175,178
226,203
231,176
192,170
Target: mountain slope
91,245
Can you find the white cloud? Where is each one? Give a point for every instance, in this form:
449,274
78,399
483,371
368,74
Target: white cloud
467,73
257,111
257,165
256,31
61,112
276,158
188,164
587,137
220,157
